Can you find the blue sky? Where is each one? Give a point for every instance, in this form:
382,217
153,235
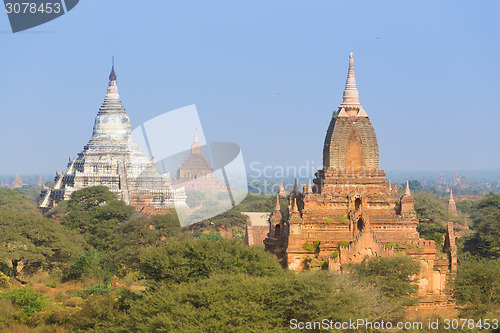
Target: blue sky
263,74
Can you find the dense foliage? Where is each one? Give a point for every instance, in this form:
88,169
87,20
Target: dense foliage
433,216
30,239
246,303
92,264
392,276
486,226
477,286
198,259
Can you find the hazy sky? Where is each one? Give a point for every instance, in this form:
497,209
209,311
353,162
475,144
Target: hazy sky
263,74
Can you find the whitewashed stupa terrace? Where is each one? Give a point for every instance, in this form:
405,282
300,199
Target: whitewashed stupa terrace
113,159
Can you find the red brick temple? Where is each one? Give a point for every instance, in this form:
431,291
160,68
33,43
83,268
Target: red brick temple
352,211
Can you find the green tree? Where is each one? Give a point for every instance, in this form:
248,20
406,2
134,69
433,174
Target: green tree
138,233
31,192
486,226
393,276
30,239
228,302
26,300
96,212
477,286
197,259
415,185
433,216
231,220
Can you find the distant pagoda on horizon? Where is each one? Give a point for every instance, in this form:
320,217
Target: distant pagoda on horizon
113,159
196,174
18,182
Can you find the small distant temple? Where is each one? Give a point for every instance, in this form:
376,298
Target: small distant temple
458,181
452,206
18,182
39,182
352,211
113,159
195,174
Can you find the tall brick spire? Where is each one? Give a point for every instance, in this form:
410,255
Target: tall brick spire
296,187
278,207
349,142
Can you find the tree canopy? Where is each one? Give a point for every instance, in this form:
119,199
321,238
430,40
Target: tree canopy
485,214
393,276
27,237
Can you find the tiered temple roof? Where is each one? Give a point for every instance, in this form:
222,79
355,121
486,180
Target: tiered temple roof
113,159
196,173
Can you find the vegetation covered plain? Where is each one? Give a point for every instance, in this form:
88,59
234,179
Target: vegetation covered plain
92,264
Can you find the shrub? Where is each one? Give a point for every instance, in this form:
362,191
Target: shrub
344,219
99,289
26,300
89,264
392,276
8,313
4,281
343,244
313,248
477,287
197,259
243,303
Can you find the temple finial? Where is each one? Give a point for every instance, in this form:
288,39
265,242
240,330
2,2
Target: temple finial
451,195
351,95
112,75
278,207
281,190
195,148
407,191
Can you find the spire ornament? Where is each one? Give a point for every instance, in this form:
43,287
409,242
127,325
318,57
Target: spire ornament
195,147
407,191
278,207
351,95
112,75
